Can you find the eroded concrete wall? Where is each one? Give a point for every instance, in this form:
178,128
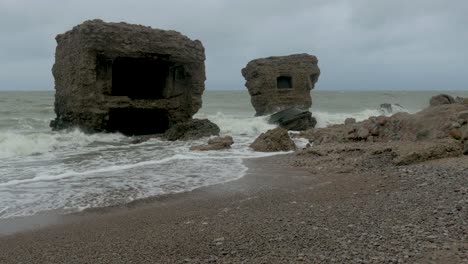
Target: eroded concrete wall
127,78
277,83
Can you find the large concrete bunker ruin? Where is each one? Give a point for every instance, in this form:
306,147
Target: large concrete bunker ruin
126,78
278,83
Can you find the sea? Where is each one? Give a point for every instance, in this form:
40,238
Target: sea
60,172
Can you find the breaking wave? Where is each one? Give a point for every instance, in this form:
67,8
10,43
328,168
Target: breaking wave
13,143
69,171
325,119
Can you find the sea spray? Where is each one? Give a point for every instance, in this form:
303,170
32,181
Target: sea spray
68,171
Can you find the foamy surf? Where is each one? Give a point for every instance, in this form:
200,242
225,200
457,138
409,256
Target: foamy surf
325,119
18,144
68,171
71,171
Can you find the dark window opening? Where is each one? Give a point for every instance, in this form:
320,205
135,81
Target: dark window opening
134,121
314,78
284,82
139,78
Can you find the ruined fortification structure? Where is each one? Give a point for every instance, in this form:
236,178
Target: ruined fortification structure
127,78
277,83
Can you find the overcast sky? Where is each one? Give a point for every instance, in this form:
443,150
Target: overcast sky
360,44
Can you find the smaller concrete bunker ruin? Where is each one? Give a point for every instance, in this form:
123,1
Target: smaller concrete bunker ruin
133,79
278,83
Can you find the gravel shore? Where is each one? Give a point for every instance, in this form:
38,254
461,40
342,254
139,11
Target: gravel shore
345,207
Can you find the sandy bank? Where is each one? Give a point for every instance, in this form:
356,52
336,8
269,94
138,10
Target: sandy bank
276,214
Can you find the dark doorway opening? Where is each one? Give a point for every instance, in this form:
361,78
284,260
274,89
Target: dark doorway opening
139,78
284,82
134,121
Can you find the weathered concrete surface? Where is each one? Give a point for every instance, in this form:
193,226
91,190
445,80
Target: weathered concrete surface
277,83
127,78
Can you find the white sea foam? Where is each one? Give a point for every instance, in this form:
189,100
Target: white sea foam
327,118
70,171
97,170
245,125
13,143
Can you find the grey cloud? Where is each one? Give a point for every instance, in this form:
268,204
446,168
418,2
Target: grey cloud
361,44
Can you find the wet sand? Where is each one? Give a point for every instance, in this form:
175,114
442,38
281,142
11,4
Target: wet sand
275,214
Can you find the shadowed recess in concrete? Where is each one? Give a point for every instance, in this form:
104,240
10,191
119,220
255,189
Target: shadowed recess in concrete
139,77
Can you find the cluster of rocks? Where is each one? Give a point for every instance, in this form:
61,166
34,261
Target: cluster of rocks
447,99
444,118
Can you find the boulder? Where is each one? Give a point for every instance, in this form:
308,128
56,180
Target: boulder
456,133
381,120
349,121
278,83
293,119
362,133
465,148
358,132
132,79
191,130
441,99
274,140
216,143
463,115
374,131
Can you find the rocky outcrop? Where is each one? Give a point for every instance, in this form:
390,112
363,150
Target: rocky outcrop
439,131
293,119
274,140
216,143
126,78
350,121
445,121
441,99
278,83
348,156
192,130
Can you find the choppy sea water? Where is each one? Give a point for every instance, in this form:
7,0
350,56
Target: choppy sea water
67,171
